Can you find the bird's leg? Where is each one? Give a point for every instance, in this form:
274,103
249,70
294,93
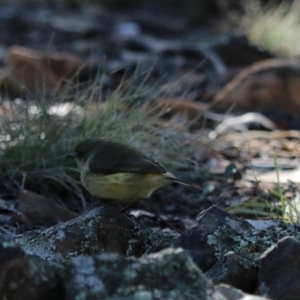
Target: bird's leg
126,207
153,210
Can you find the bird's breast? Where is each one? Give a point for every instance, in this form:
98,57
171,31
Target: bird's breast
123,187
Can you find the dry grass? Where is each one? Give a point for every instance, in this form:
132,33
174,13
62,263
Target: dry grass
274,29
36,135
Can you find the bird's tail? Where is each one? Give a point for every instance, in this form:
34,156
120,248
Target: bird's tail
187,183
182,181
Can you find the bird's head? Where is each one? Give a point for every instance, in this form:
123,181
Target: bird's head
83,151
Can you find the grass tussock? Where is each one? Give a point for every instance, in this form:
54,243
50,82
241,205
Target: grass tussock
36,135
275,29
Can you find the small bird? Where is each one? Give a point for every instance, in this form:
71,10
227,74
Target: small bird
115,171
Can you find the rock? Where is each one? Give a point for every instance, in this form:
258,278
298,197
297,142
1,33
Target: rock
264,86
264,224
169,274
101,230
216,232
236,271
40,210
279,271
227,292
23,277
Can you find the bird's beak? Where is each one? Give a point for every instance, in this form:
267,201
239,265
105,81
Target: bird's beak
71,155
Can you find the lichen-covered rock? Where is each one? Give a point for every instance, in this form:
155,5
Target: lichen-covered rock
23,277
168,275
279,271
101,230
216,232
236,271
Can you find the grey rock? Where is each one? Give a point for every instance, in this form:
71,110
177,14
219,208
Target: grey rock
279,272
227,292
264,224
216,232
23,277
101,230
169,275
235,271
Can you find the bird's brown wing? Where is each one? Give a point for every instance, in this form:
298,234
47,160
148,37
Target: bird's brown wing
129,165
